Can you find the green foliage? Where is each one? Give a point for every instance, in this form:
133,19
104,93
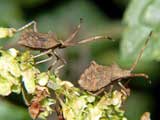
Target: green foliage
141,17
7,113
142,103
18,68
9,10
62,27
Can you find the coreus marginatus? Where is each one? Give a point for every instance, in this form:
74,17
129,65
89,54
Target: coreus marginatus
96,76
47,42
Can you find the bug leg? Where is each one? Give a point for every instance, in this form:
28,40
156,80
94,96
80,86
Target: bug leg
97,92
28,25
66,44
43,53
126,83
93,38
111,88
87,40
72,36
45,60
56,71
125,91
57,58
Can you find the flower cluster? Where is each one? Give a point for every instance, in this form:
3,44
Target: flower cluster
79,105
18,74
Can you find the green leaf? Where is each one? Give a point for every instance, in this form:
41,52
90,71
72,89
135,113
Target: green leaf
11,10
141,17
151,15
143,103
9,111
134,11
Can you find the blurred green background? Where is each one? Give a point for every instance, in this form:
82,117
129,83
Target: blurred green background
128,22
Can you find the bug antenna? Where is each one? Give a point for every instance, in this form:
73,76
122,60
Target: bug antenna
141,52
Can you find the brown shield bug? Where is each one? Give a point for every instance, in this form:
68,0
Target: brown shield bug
96,76
47,42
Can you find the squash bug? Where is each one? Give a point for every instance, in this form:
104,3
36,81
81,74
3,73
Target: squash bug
47,42
96,76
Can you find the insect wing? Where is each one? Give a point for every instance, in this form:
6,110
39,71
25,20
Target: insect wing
94,77
36,40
